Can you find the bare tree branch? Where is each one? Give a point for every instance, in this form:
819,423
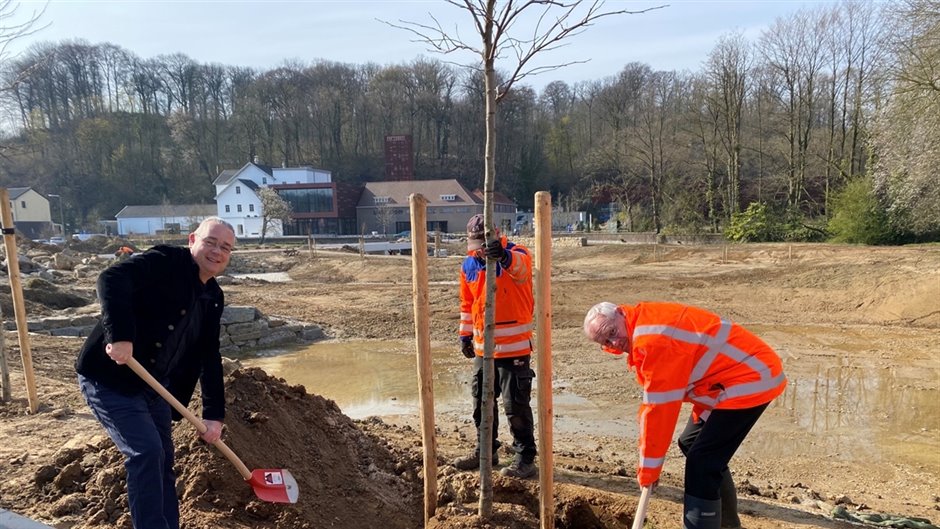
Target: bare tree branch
548,33
11,30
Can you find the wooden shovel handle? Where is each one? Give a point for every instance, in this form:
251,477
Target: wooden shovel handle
184,411
640,517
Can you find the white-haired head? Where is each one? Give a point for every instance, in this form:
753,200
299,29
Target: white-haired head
605,324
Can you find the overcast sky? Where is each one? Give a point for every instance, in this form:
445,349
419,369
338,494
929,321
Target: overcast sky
263,34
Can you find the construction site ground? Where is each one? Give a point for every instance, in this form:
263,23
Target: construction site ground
858,430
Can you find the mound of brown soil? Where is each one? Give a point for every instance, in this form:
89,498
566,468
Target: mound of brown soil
47,294
516,505
347,479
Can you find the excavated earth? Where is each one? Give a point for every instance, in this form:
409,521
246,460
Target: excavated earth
870,314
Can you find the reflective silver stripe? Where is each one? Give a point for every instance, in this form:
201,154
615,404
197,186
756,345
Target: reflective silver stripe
747,359
652,462
739,390
750,388
466,316
662,397
466,327
507,331
704,415
672,332
705,400
505,347
714,344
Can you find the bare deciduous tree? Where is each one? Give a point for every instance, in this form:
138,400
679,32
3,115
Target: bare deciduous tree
502,38
13,27
727,71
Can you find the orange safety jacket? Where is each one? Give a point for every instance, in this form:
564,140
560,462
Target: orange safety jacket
514,303
686,354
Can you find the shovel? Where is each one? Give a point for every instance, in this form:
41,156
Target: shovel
274,485
640,517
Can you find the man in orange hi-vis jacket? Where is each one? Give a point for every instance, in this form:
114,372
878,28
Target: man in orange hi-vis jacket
513,336
685,354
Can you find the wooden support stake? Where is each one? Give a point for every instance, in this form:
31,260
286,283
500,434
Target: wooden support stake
543,348
19,307
420,292
4,369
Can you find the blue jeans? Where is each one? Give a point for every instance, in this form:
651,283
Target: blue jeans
140,426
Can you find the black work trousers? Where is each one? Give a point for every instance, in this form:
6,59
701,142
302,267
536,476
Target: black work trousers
709,445
512,379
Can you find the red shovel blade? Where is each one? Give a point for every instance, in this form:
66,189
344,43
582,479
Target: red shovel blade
274,484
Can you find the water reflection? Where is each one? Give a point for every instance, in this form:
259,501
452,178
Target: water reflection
861,409
848,406
367,378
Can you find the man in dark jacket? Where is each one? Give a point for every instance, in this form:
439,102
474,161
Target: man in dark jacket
163,307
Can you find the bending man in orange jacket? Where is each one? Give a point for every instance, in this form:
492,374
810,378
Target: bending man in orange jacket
513,336
685,354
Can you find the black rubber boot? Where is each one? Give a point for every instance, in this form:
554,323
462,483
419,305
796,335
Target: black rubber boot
729,503
701,514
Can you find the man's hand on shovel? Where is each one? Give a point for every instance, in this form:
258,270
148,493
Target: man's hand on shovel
120,352
213,431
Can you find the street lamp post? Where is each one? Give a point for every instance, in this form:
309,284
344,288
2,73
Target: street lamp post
61,213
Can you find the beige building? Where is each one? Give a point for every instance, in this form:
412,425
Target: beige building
383,207
31,213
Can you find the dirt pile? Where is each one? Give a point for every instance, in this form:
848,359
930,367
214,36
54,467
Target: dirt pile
516,505
347,479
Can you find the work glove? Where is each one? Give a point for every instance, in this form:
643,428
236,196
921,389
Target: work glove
495,250
466,347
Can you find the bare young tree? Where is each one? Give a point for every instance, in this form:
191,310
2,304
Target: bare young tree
384,215
793,50
502,36
727,71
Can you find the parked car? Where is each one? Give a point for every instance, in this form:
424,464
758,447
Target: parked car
56,240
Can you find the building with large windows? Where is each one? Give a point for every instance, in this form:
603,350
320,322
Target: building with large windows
384,209
320,206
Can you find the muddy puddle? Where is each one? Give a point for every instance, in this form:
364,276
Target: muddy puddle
368,378
840,399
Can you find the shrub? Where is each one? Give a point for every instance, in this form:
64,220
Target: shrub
857,216
755,224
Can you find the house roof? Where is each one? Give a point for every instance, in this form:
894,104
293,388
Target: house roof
498,197
399,191
15,192
164,210
228,175
250,184
225,177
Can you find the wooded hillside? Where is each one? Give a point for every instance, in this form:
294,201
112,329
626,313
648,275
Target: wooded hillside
846,93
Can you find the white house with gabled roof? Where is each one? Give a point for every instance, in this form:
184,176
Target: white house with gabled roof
236,193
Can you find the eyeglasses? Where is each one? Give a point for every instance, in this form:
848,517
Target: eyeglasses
212,242
611,334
